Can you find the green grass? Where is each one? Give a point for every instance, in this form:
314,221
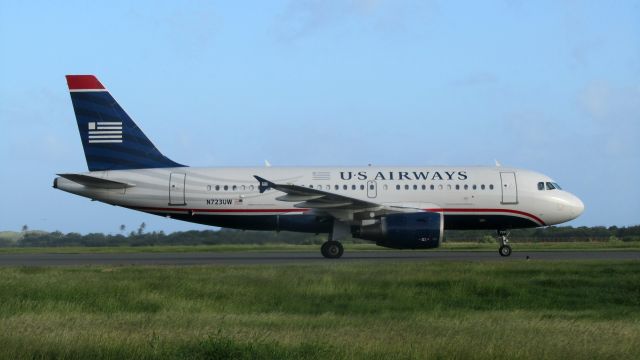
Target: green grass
9,235
332,310
465,246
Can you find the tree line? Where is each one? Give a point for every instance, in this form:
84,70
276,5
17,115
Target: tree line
229,236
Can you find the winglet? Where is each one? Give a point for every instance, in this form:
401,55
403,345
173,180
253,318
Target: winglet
264,184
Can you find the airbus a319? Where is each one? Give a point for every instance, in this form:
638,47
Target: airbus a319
395,207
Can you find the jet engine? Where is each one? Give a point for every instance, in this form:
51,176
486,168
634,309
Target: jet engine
420,230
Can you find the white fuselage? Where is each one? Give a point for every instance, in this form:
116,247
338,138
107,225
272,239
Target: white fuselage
470,197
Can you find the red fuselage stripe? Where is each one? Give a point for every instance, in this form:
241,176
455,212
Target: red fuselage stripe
446,210
221,210
518,212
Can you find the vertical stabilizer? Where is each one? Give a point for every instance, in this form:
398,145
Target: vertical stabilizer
110,138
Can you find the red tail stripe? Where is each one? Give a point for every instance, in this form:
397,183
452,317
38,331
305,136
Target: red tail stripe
83,82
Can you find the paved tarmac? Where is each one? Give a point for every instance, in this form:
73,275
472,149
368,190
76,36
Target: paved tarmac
281,257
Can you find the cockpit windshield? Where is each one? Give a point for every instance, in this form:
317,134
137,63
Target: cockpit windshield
549,186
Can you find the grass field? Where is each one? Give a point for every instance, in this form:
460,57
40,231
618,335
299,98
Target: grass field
466,246
369,310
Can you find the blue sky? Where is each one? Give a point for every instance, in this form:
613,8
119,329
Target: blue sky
552,86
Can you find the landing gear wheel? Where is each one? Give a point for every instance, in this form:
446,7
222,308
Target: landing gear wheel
332,249
505,250
503,238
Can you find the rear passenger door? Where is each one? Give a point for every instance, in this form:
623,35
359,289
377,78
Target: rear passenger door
177,188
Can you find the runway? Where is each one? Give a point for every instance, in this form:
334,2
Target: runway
281,257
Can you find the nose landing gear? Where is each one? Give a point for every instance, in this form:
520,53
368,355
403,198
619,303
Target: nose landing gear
503,237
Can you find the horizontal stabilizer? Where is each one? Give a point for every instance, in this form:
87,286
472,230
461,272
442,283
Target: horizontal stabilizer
96,182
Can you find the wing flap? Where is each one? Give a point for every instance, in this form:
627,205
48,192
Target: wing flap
297,198
322,204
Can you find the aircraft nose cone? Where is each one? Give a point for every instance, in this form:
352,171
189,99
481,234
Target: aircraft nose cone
577,206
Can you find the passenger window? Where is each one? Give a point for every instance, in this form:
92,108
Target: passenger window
457,187
415,187
474,186
250,187
208,187
424,187
226,187
466,186
482,186
328,187
310,186
362,187
406,186
386,187
432,187
371,187
235,188
550,186
541,186
440,187
344,187
398,187
337,187
491,187
353,187
243,188
217,187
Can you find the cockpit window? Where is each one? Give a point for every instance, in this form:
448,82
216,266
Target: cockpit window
540,185
557,186
550,186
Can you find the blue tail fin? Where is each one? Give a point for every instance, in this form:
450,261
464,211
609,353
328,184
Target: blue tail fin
111,140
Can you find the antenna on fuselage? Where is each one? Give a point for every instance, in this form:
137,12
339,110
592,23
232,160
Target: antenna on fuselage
497,163
267,163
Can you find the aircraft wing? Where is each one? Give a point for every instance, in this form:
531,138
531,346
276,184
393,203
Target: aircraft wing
314,198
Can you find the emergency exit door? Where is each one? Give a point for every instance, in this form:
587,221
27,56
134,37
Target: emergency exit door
509,188
176,189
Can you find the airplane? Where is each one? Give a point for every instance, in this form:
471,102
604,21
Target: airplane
395,207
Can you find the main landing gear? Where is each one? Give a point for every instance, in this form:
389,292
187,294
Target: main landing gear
503,237
332,249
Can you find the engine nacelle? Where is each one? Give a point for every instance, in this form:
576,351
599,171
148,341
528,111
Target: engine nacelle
422,230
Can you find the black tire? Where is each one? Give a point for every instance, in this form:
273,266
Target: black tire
332,249
505,250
